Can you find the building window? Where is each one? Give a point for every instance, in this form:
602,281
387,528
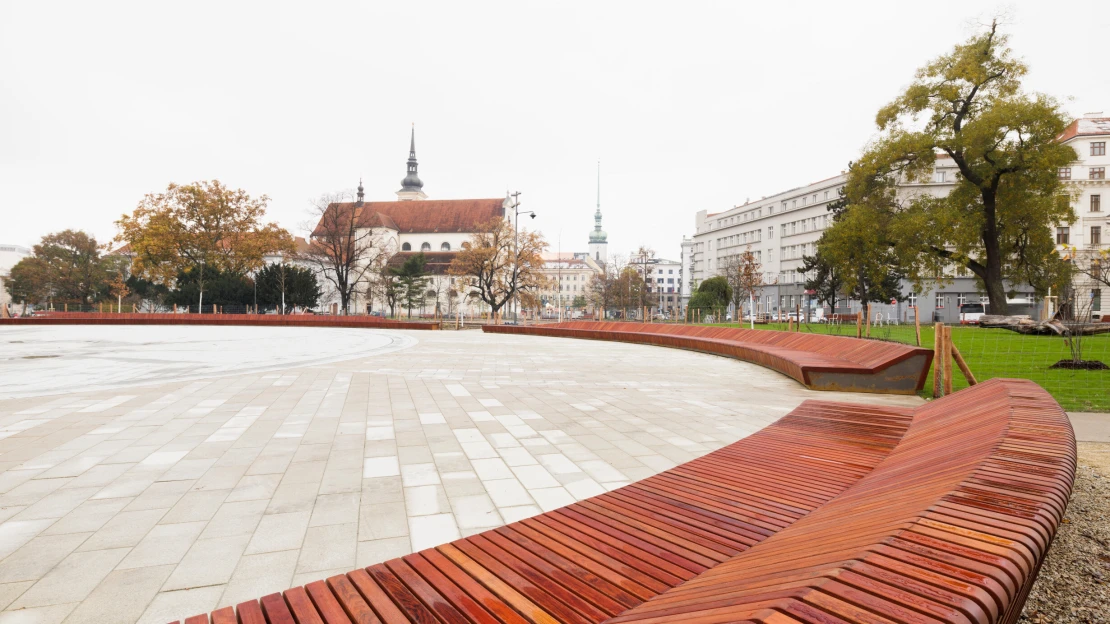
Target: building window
406,247
445,247
1096,299
1096,234
1062,235
1098,148
940,301
1096,203
425,247
1098,173
912,299
941,175
1064,173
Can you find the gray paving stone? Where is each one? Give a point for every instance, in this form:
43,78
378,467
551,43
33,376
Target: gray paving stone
186,494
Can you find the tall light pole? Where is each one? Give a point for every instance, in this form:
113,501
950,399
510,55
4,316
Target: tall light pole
516,248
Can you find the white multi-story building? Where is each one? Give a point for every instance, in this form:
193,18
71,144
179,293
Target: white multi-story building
568,279
782,229
664,283
1085,238
10,255
665,277
687,270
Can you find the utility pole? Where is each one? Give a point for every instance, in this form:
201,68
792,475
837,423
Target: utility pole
516,248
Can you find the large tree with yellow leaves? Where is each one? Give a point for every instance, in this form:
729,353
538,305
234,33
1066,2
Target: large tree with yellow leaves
193,227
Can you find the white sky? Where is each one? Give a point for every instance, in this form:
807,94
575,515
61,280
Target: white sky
689,105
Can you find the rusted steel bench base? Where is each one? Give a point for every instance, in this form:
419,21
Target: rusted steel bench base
256,320
817,361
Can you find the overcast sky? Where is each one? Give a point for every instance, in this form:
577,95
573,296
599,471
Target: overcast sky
688,105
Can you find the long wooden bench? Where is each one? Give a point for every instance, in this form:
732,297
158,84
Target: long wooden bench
263,320
836,513
818,361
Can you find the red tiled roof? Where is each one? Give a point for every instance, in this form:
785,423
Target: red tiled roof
1087,126
435,215
438,261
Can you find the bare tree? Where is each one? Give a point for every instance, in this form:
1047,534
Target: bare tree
744,274
346,245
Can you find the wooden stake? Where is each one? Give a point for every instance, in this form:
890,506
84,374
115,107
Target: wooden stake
789,323
868,320
963,366
917,326
859,323
947,361
938,358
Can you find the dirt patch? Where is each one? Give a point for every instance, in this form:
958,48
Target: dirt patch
1080,365
1074,583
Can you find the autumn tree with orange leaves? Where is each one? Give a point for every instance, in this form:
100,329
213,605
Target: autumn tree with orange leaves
191,228
497,263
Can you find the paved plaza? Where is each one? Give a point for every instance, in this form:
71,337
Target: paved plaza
148,473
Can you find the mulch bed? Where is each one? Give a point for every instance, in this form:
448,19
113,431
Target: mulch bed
1081,365
1074,583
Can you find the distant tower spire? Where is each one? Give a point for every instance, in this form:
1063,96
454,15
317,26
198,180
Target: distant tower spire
360,194
411,186
598,238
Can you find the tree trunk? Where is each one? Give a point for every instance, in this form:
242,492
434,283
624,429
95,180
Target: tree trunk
992,279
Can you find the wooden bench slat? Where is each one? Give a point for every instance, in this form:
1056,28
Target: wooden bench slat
834,513
818,361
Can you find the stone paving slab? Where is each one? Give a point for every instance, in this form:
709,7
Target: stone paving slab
1090,426
147,501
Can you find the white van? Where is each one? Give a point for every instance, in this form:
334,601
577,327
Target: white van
970,313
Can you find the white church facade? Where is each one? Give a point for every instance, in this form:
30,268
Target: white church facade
414,224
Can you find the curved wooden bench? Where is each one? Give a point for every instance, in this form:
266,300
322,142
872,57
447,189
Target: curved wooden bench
836,513
264,320
817,361
951,527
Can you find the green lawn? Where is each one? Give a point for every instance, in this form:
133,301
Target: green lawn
1001,353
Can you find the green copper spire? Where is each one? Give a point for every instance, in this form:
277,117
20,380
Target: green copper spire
598,235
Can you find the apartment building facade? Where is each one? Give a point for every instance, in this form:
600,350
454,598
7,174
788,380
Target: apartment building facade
1085,239
784,228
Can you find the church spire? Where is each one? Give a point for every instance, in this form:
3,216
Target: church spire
598,236
411,186
360,194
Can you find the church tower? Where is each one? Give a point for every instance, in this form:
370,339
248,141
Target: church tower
599,240
411,187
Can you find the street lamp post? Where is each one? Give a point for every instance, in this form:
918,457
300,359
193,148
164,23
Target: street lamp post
516,249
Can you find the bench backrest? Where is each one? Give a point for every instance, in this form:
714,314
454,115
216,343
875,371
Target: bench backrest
868,353
953,524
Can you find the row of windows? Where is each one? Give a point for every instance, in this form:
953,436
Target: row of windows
426,247
1093,173
743,238
805,225
794,252
1063,235
757,213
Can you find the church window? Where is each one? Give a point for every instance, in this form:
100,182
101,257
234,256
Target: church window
425,246
406,247
445,247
